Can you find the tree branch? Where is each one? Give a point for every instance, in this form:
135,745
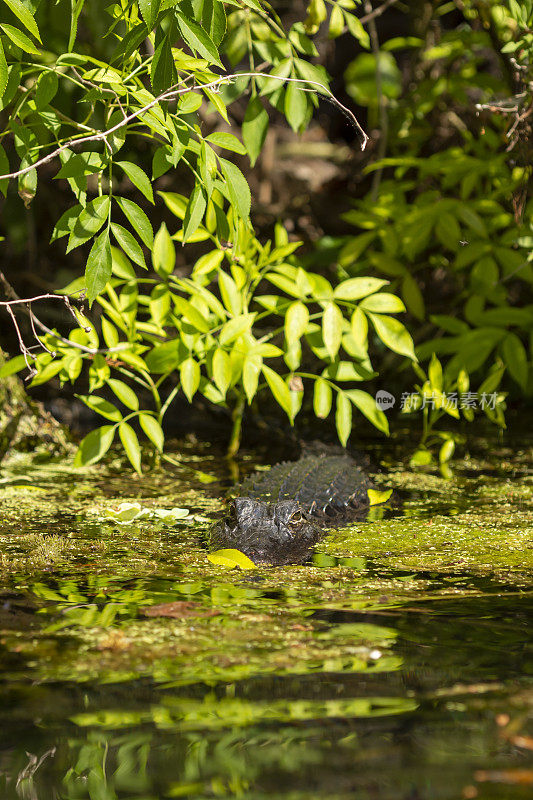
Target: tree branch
377,12
172,94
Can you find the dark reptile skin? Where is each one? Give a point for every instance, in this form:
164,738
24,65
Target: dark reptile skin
322,484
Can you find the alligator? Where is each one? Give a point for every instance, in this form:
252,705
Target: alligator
280,514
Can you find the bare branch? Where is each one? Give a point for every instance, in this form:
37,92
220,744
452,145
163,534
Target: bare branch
172,94
377,12
35,322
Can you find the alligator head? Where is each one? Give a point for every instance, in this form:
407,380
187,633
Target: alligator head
268,533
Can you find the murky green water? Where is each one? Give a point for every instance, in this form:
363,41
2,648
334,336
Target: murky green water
397,664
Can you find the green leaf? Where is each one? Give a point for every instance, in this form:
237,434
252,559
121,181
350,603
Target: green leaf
21,40
190,377
231,297
251,370
515,358
128,243
89,222
254,128
47,87
161,161
191,314
3,70
343,418
279,389
231,558
295,106
138,177
109,333
336,23
360,78
47,372
94,446
101,406
214,20
149,10
13,366
176,203
164,357
435,373
296,320
13,81
209,262
236,327
198,40
66,222
355,27
226,140
163,73
393,334
138,220
359,326
222,370
99,266
74,16
129,440
383,302
322,399
446,451
421,458
355,288
448,231
332,320
153,430
367,406
24,15
4,169
376,497
75,165
194,213
159,305
124,393
413,297
238,189
164,253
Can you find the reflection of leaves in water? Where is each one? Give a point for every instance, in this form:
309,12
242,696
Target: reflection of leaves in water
213,712
142,628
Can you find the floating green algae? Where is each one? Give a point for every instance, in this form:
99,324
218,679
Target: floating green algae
132,667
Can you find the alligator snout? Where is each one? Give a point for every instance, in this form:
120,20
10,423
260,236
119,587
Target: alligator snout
268,533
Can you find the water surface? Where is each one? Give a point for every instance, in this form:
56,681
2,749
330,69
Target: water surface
397,664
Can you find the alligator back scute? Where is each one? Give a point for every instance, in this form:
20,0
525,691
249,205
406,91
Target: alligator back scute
323,484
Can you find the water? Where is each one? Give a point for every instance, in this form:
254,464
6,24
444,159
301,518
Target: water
397,665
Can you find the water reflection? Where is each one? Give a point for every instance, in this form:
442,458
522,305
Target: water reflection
405,703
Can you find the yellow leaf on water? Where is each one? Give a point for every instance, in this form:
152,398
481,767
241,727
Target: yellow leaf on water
376,497
231,558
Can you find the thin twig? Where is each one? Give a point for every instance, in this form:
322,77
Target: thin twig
382,101
377,12
36,322
171,94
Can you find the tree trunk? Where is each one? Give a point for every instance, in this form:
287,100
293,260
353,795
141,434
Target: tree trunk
24,423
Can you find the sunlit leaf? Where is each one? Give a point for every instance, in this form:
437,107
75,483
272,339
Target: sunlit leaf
231,558
94,446
153,430
238,189
99,266
375,496
128,437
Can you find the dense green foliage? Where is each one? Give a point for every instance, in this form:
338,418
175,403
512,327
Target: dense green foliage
86,87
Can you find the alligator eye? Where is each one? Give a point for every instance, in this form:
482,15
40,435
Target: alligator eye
296,518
